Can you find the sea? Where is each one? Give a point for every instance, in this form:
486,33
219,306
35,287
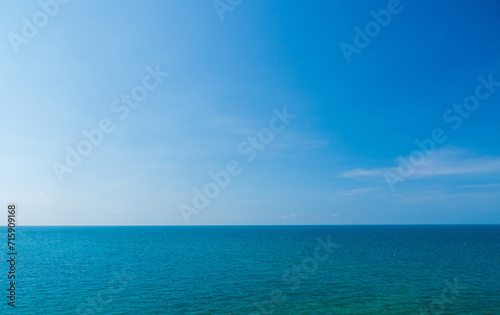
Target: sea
369,269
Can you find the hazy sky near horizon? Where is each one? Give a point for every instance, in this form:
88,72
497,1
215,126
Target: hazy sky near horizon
354,115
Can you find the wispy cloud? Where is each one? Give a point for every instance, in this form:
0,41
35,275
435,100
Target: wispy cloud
445,162
452,198
480,186
358,172
355,192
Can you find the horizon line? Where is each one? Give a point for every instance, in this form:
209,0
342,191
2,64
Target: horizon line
198,225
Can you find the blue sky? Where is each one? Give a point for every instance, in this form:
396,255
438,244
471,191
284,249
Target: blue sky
226,80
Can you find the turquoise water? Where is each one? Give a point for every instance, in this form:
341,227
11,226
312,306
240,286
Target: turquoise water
257,270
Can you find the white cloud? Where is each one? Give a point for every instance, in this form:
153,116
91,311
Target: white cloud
480,186
355,192
358,172
443,162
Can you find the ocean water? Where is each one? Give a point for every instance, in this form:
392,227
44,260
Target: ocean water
256,270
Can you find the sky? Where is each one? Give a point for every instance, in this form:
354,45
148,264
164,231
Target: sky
250,112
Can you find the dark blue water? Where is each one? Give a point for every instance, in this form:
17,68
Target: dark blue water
256,270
